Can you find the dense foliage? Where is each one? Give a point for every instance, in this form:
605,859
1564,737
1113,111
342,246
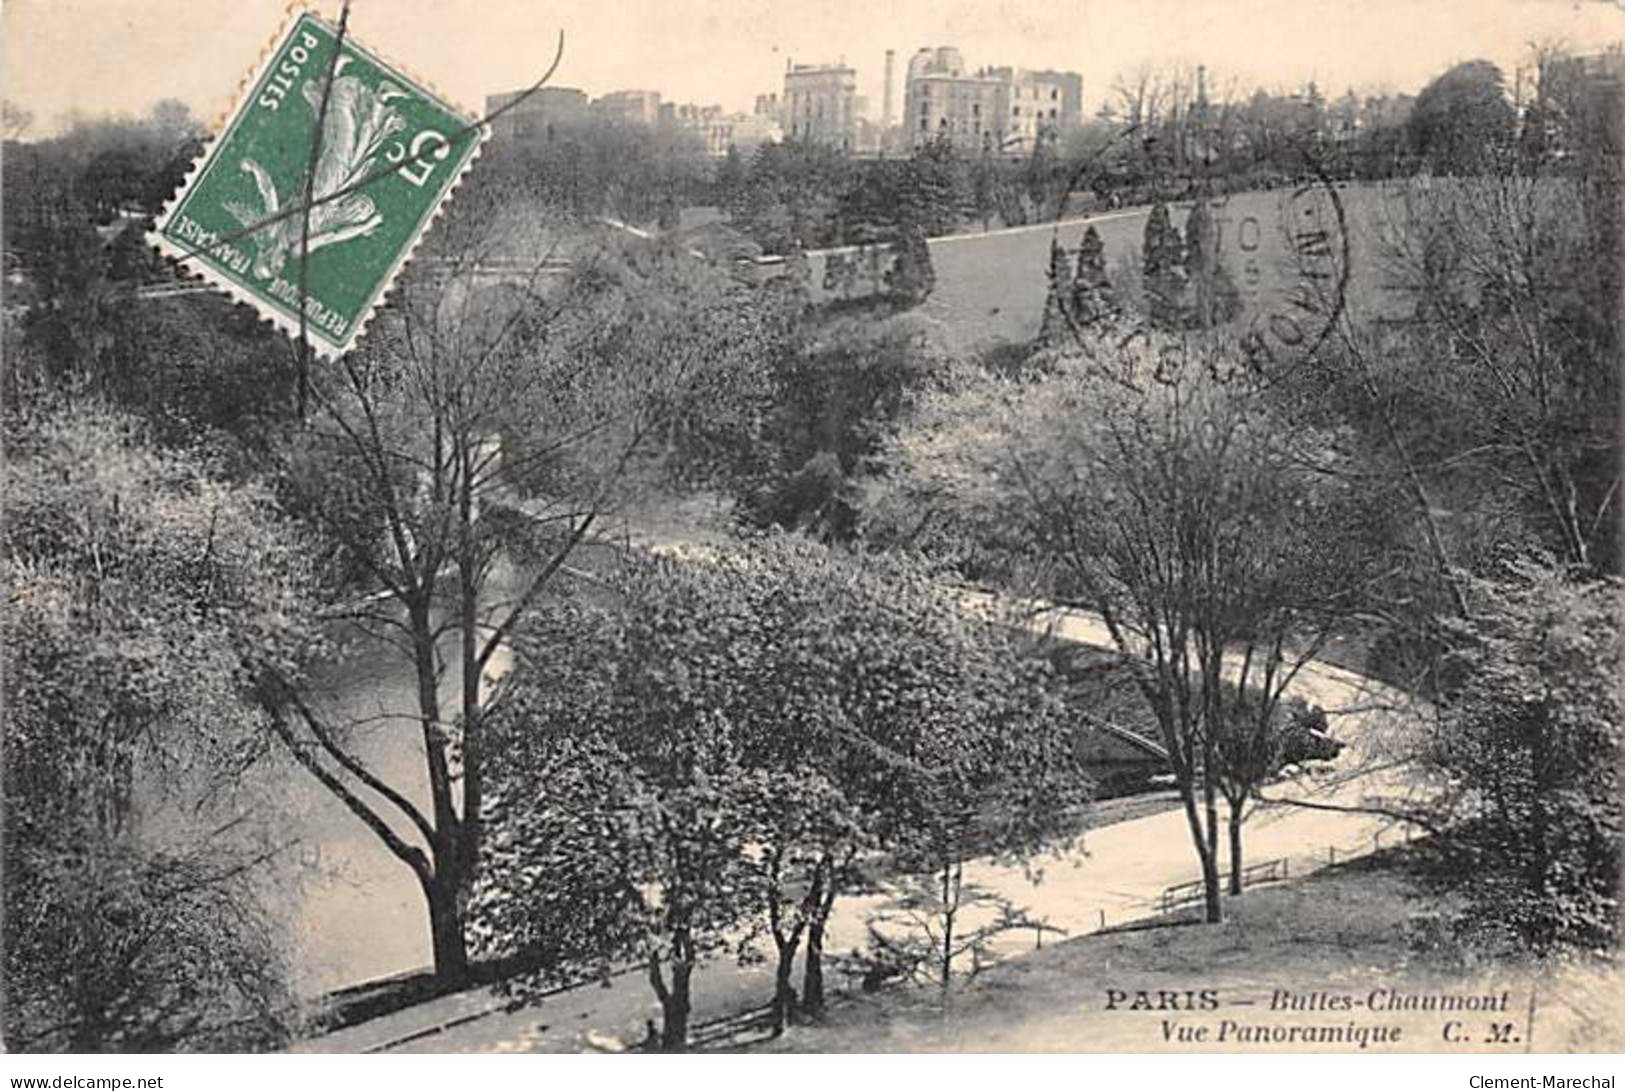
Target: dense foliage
1531,732
141,596
835,392
711,753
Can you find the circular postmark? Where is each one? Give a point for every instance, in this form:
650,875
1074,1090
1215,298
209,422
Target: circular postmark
1296,294
1266,266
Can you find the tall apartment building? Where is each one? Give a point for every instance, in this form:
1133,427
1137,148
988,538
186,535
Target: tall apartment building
1000,110
820,104
630,107
531,118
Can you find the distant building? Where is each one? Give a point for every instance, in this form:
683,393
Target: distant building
708,123
747,132
941,100
719,130
991,109
1049,101
529,117
767,108
630,107
821,104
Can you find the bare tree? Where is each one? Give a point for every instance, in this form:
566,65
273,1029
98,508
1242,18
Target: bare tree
1510,277
1165,494
1141,94
488,430
15,119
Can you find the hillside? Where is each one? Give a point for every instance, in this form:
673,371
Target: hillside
1349,935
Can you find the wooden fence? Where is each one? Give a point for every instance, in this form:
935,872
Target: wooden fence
1183,894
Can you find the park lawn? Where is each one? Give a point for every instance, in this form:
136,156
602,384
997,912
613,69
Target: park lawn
1346,930
990,289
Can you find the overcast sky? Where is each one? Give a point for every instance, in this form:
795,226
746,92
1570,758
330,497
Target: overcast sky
121,56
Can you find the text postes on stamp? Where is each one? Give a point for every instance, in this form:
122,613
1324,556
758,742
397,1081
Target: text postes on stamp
378,161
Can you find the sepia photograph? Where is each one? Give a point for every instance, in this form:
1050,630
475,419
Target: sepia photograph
761,527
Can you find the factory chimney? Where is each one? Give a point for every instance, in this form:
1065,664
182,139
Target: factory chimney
886,97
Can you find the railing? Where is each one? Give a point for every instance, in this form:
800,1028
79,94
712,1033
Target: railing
1265,871
1183,894
1280,868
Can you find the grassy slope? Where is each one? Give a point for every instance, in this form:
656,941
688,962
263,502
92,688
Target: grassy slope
992,288
1344,930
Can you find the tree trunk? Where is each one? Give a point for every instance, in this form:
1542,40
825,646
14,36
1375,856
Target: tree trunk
1235,849
675,1004
468,586
675,1009
446,929
1539,836
1212,885
1212,880
441,888
812,976
951,874
812,979
1210,867
784,991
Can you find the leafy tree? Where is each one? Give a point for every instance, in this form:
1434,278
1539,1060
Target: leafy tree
798,276
1213,298
1164,270
1530,733
990,772
143,596
928,191
619,795
836,394
954,745
196,370
593,166
984,189
669,214
1055,328
911,276
1093,300
824,710
809,839
793,195
1462,122
1042,174
802,748
732,177
871,206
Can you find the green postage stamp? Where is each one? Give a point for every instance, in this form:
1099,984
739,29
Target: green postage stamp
378,161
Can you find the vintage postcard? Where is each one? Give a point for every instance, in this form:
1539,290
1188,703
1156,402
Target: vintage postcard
834,528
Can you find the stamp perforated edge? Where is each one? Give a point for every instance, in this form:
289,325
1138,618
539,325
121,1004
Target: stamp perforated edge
289,324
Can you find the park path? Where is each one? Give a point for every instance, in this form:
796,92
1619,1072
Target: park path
1111,875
